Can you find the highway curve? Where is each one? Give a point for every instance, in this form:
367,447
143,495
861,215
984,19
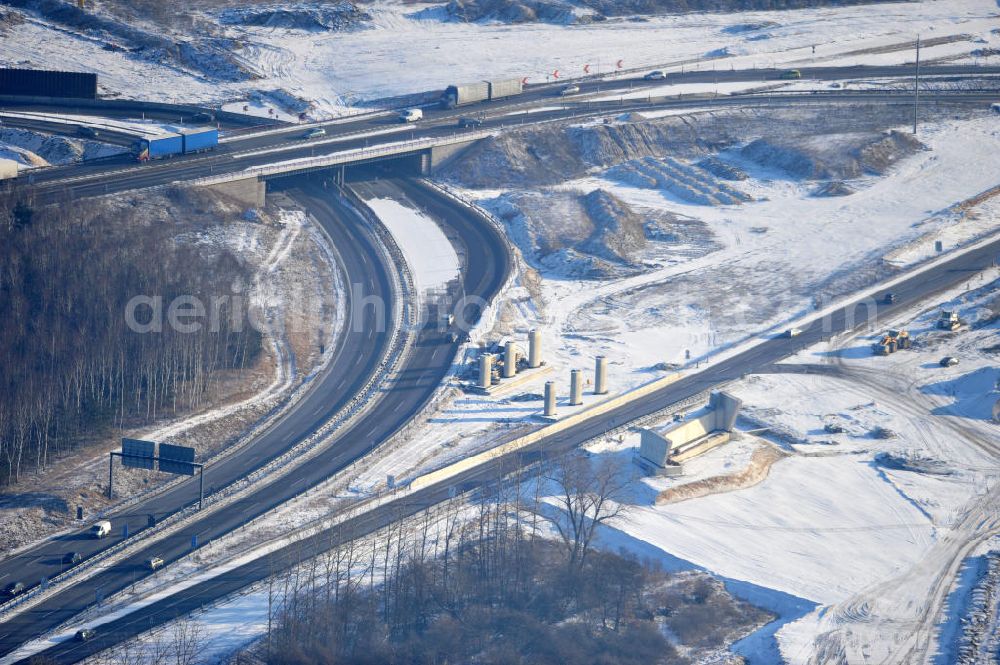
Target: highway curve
433,352
914,290
356,357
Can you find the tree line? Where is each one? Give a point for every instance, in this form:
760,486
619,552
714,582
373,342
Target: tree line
477,584
72,367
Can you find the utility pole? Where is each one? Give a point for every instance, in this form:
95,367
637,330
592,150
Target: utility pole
916,88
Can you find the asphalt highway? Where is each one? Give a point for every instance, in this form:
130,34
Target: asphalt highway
854,316
486,268
63,184
113,174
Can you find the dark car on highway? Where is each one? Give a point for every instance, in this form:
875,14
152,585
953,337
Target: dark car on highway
469,122
72,558
85,634
14,589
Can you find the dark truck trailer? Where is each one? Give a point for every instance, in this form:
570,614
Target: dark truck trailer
481,91
47,83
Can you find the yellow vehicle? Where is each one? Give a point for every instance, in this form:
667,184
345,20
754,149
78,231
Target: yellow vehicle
901,337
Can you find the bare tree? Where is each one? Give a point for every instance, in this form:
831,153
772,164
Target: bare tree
187,641
589,494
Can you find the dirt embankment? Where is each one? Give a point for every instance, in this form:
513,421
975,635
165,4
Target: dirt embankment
833,156
595,235
549,155
761,461
189,48
334,16
811,143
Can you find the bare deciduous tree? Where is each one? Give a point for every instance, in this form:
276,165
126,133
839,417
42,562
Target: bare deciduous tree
589,494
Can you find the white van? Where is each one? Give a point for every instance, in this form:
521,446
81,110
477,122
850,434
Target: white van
101,529
411,115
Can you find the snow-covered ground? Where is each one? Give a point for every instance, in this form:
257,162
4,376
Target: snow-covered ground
830,534
403,55
430,256
776,251
30,149
831,523
400,53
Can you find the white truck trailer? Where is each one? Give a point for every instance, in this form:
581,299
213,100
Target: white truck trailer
8,169
481,91
505,88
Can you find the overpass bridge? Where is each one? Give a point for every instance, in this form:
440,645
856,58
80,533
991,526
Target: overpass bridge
418,157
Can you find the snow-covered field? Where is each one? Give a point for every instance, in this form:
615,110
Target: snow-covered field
399,53
836,537
402,55
776,251
428,253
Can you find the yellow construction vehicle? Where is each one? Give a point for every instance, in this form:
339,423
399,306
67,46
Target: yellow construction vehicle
884,346
892,341
949,320
902,338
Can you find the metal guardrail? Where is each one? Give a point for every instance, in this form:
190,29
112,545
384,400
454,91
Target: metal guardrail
144,106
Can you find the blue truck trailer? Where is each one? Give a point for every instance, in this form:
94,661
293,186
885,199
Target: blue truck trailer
156,147
197,139
183,142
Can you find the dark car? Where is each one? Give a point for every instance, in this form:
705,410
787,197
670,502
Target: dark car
85,634
470,122
889,298
72,558
14,589
655,76
88,132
